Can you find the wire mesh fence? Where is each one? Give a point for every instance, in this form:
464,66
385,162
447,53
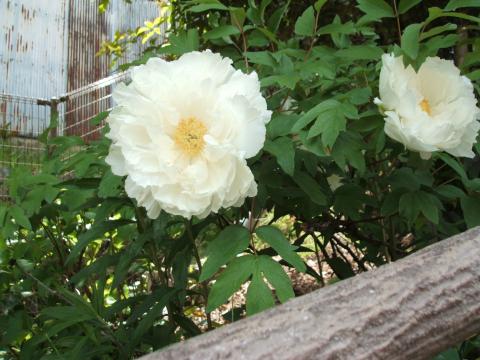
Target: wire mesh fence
23,120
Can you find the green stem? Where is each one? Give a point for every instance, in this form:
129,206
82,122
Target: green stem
204,284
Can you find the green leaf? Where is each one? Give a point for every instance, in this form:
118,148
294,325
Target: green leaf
284,151
310,187
409,207
454,164
96,232
450,192
313,113
67,313
281,125
438,30
428,206
148,321
276,276
126,258
329,124
214,5
261,57
99,266
412,203
275,238
221,31
183,42
406,5
97,120
319,4
229,243
288,80
237,17
457,4
341,268
375,9
230,280
20,218
410,40
349,200
305,24
109,185
471,210
275,19
360,52
259,296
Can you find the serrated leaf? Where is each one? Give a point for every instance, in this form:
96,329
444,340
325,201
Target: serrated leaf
259,296
277,277
305,24
230,280
275,238
230,242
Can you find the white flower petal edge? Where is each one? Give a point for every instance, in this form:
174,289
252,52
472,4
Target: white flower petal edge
434,109
181,133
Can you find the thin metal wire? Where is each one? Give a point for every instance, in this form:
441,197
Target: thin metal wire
23,119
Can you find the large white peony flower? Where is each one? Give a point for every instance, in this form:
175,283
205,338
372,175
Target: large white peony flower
433,109
181,132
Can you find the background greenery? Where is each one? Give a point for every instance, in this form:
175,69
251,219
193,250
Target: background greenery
85,274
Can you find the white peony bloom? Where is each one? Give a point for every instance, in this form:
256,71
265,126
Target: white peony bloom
434,109
181,132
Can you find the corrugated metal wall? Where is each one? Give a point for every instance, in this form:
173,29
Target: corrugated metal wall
49,48
87,29
33,52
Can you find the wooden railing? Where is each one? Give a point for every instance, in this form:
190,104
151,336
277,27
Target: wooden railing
411,309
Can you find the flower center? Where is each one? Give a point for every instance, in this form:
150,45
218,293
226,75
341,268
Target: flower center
188,136
425,105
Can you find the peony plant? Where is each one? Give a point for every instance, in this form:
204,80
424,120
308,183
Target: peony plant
182,131
432,110
258,143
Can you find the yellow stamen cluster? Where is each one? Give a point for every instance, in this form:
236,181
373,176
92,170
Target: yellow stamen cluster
189,135
425,105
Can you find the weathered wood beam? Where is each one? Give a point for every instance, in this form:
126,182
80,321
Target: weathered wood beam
411,309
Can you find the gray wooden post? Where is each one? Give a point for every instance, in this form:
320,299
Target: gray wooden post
411,309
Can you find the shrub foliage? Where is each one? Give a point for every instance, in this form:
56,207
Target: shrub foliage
85,274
